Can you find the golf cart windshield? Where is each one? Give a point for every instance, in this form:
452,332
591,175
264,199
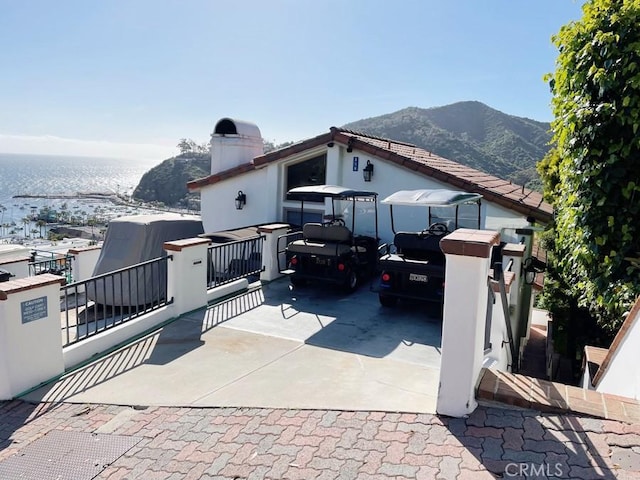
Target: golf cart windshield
452,208
356,208
317,193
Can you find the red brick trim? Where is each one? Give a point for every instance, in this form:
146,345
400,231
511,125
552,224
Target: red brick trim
470,243
218,177
28,283
546,396
514,249
16,259
509,277
75,251
512,196
179,245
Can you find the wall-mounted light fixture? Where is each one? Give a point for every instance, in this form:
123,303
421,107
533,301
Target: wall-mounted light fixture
531,267
241,200
330,144
367,171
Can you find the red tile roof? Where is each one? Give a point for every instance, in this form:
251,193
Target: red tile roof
503,192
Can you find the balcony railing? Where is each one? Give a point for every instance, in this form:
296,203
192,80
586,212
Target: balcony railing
111,299
234,260
48,262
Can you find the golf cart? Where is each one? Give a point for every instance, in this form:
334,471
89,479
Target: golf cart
341,249
414,266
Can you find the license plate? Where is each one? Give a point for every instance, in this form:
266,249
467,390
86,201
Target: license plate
322,261
415,277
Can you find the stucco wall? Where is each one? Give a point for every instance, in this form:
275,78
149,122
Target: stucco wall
265,190
218,209
622,377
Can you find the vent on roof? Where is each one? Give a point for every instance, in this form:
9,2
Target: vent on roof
226,126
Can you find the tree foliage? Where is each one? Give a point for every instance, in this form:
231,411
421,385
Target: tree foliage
187,145
592,176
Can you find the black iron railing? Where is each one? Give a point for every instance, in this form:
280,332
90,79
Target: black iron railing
283,241
48,262
111,299
231,261
498,279
491,299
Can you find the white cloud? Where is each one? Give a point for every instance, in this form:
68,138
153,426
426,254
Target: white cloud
52,145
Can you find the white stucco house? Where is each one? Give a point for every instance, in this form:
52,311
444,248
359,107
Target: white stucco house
239,167
614,370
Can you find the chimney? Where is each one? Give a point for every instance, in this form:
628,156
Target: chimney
233,143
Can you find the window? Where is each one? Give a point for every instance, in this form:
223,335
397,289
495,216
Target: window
308,172
292,216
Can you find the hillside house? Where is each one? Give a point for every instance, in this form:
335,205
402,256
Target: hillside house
341,157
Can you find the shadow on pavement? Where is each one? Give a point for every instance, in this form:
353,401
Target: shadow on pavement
14,416
526,444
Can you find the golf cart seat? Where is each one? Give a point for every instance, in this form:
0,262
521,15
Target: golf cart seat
419,246
323,240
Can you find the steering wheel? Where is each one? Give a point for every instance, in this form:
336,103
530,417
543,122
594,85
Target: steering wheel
438,229
337,221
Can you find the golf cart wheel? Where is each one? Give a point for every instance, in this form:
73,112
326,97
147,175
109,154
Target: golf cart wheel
297,281
387,301
351,283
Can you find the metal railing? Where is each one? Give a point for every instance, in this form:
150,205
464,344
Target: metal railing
498,277
92,306
48,262
231,261
491,299
283,241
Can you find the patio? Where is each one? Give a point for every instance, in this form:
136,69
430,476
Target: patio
273,347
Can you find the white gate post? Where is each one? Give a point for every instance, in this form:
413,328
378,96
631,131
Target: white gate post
468,257
30,339
187,274
270,255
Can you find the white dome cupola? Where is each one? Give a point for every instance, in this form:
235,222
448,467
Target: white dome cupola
233,143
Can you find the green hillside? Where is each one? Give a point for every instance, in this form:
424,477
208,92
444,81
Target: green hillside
470,133
167,182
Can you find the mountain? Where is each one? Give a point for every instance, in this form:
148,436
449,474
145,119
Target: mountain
167,182
470,133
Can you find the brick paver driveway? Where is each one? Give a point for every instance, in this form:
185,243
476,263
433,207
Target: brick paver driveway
235,443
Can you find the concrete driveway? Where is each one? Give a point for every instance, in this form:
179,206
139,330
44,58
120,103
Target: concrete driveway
310,348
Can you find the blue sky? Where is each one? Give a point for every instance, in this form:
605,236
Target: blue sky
130,78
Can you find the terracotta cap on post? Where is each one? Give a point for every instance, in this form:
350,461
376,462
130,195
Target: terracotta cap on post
28,283
470,243
75,251
509,277
16,259
272,227
179,245
514,249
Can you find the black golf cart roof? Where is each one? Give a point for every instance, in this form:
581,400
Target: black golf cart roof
315,193
431,198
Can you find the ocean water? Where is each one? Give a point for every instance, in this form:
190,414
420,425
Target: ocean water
47,174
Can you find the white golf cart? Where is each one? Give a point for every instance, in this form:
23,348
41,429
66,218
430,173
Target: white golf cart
341,250
414,265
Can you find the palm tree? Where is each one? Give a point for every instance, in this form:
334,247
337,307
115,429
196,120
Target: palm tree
2,210
25,222
41,223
